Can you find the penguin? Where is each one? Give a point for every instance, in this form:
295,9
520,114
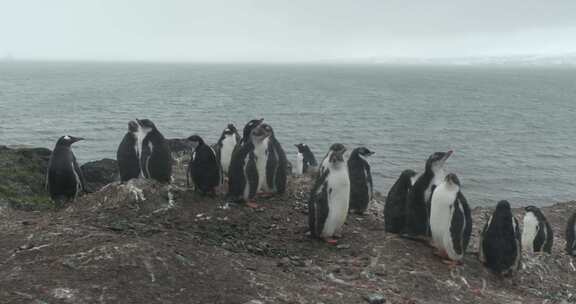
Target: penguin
537,235
64,180
155,156
325,161
226,145
127,154
305,160
417,207
500,241
361,187
248,129
395,205
204,169
276,166
248,165
450,219
329,199
571,235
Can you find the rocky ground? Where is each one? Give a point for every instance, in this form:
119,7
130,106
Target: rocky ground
149,243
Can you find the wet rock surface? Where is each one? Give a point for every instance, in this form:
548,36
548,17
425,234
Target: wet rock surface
100,173
146,242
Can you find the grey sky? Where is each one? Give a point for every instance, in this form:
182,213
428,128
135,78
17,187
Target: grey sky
289,30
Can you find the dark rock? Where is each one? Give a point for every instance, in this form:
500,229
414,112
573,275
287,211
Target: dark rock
23,178
100,173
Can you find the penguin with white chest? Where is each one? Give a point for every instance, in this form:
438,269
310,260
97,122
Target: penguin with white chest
537,235
361,186
155,156
395,205
127,154
571,235
64,180
204,169
329,199
226,145
248,165
305,160
500,241
417,201
450,219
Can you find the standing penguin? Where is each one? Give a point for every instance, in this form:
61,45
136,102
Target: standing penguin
325,161
395,205
417,207
248,166
450,219
64,180
128,152
155,157
361,187
305,160
276,166
204,169
226,145
571,235
537,234
500,241
329,199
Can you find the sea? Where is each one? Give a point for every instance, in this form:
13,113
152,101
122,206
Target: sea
513,129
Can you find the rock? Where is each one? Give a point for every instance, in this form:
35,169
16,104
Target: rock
23,178
100,173
375,299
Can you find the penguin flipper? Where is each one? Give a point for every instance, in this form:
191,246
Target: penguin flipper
318,206
459,225
281,171
80,175
252,177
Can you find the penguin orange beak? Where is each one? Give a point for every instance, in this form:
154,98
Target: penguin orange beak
448,154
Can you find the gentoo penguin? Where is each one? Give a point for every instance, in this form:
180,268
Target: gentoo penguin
334,147
155,157
329,199
276,165
571,235
226,145
127,154
305,159
361,187
64,180
204,169
248,165
537,234
500,241
395,205
450,219
417,207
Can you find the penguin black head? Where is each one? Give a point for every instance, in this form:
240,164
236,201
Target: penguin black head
230,129
67,141
451,178
537,212
146,124
261,131
363,151
301,147
503,209
133,126
337,156
437,160
337,147
195,140
250,126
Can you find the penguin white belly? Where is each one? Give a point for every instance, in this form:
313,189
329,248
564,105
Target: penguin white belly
441,212
228,145
299,164
529,231
438,178
261,153
338,201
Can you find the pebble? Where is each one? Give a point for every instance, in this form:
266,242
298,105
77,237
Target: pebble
375,299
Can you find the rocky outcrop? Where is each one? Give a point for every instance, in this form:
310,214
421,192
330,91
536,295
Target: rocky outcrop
23,177
100,173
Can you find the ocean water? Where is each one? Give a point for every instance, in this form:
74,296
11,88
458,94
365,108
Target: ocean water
513,129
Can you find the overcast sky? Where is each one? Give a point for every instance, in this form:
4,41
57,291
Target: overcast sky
289,30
